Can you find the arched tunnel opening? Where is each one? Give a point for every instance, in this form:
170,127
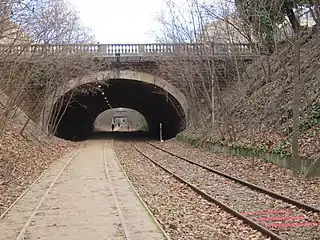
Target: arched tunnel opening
74,113
123,119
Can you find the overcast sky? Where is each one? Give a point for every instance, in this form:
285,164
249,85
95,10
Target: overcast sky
120,21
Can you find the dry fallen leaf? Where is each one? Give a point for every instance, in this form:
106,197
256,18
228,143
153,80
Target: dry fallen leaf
22,160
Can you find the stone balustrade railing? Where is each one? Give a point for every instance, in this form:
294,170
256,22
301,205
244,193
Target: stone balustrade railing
111,50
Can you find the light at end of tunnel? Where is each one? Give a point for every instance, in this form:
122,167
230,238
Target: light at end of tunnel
99,86
102,93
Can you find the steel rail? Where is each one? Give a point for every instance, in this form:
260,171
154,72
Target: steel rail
151,215
35,210
114,196
209,198
245,183
30,186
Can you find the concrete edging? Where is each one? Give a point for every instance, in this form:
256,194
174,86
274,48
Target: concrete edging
35,181
309,167
140,198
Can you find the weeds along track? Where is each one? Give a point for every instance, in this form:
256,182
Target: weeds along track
276,216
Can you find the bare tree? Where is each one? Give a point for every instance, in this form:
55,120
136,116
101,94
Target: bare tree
205,34
297,87
31,70
266,29
317,12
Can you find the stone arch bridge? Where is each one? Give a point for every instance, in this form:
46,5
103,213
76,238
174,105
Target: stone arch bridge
126,77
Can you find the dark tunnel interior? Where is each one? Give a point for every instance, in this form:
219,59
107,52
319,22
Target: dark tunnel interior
74,119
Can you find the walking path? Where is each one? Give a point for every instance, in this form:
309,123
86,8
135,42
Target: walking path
85,195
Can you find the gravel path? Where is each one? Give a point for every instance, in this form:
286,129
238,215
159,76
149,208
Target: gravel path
181,212
85,195
23,160
241,198
253,170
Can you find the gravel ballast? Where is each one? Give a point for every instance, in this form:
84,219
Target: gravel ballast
233,194
253,170
182,213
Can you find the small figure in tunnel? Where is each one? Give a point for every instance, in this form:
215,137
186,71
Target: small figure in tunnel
112,127
118,124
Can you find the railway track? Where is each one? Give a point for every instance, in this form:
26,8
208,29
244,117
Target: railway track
114,195
276,216
48,180
22,233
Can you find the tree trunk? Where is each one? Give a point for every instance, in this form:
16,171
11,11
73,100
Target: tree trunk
293,19
297,88
316,12
213,78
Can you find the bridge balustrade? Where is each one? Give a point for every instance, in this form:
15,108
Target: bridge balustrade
110,50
